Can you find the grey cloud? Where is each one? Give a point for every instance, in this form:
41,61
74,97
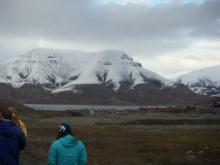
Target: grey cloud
132,27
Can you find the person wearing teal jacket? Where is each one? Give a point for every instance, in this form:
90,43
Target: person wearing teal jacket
67,150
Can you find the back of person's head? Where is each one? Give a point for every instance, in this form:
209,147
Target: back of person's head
13,110
14,113
1,115
5,113
64,129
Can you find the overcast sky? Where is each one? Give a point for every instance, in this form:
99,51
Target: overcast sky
169,37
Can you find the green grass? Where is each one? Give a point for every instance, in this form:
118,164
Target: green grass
120,145
125,143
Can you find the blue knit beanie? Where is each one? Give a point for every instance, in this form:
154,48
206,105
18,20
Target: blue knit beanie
64,127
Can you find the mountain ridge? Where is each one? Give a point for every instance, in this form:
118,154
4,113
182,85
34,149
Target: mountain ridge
60,70
205,81
74,77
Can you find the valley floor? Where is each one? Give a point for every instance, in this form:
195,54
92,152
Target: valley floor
121,140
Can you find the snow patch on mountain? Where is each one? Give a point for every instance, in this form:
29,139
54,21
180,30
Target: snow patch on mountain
204,81
61,70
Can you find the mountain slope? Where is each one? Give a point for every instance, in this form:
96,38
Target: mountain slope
20,108
73,77
60,70
204,81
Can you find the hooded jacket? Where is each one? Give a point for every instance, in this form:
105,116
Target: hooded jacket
67,151
12,140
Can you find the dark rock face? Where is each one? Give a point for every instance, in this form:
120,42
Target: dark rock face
26,93
7,91
183,94
151,94
141,94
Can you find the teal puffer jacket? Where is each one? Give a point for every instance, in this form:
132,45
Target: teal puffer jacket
67,151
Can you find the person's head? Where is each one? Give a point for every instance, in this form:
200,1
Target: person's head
64,129
1,116
5,113
14,111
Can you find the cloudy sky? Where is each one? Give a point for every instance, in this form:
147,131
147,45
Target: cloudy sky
169,37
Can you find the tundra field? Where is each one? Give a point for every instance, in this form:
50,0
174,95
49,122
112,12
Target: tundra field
138,139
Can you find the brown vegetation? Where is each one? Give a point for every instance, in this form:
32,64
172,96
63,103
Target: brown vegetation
128,144
130,140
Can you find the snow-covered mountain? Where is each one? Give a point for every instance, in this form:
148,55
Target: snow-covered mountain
61,70
204,81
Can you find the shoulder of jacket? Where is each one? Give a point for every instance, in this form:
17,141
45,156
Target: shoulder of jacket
16,131
55,143
81,143
16,128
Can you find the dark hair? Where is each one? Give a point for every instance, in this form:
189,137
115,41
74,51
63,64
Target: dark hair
5,113
62,134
